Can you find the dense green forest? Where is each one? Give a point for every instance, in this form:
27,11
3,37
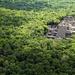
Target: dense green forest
24,49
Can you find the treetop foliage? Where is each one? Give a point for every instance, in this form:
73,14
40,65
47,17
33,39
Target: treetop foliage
24,49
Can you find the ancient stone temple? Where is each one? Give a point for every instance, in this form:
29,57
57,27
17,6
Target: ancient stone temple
63,30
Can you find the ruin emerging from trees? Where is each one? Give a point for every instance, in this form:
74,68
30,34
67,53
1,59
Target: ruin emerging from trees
64,29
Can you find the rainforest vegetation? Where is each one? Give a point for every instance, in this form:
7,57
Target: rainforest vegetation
24,49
